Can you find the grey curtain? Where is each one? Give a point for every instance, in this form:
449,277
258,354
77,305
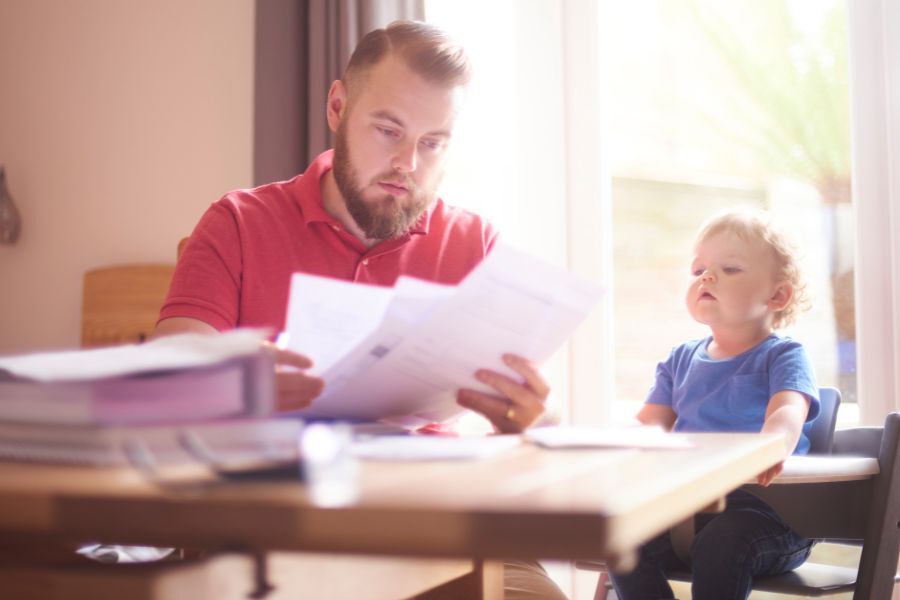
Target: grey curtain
301,47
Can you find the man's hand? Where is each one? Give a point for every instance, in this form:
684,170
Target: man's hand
295,388
516,406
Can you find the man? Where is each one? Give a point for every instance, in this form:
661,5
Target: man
366,211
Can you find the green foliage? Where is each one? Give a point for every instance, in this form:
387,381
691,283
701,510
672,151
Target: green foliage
792,107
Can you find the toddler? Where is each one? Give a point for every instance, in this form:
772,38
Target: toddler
745,283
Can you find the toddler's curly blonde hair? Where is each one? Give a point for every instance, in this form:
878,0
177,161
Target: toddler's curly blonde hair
758,225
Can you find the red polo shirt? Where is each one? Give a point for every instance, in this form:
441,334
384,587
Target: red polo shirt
236,268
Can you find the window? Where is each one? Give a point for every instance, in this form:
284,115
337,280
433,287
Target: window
715,105
658,90
706,106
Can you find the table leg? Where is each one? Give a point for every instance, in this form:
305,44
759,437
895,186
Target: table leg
485,582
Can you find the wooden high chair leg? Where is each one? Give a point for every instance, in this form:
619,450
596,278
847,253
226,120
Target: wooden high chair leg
262,587
602,592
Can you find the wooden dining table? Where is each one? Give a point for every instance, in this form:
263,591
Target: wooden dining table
523,502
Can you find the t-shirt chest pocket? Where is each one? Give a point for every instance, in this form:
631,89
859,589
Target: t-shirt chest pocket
748,396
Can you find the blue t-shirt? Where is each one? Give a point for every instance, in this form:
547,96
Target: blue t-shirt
732,394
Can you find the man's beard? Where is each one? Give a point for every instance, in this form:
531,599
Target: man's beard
379,218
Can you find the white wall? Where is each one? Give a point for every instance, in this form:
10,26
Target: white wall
120,121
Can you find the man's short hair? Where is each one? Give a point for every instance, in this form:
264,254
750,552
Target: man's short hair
426,49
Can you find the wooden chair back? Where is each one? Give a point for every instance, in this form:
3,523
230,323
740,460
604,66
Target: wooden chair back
121,303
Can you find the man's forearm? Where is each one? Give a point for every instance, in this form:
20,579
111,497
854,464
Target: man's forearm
175,325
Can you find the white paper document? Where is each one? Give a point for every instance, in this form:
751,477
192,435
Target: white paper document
432,447
400,353
174,379
183,351
642,436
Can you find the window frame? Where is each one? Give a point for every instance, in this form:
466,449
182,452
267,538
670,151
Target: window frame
874,45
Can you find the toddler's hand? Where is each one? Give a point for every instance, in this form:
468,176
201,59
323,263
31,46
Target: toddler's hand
766,477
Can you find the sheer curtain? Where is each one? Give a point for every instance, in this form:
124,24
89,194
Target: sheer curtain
875,93
301,47
527,156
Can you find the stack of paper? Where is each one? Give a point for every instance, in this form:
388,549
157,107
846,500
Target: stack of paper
81,406
176,378
401,353
228,441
